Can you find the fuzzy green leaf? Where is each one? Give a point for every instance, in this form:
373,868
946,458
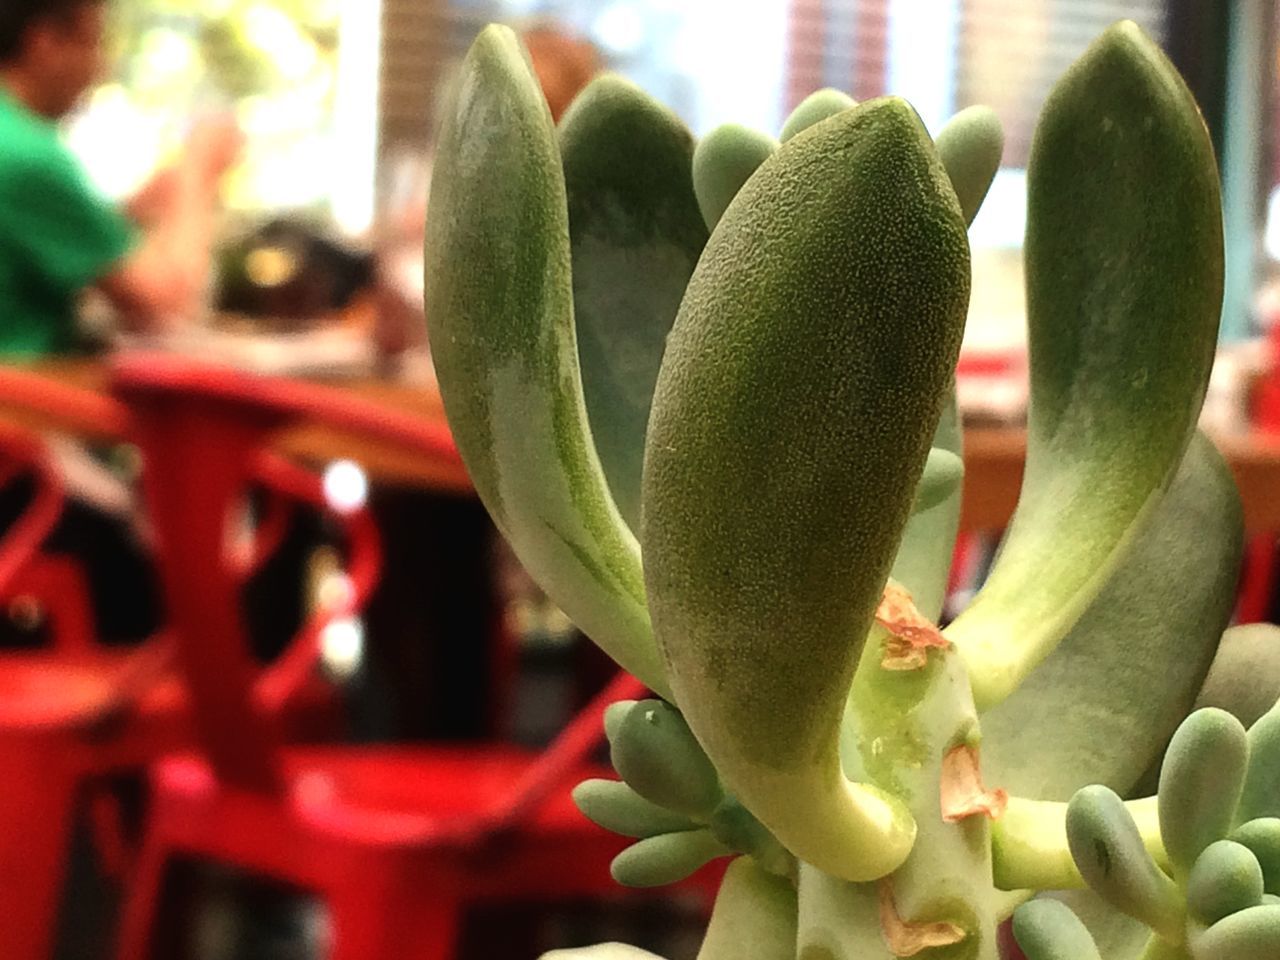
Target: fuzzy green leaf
1117,687
970,146
1252,934
1124,254
1226,878
815,108
1262,837
923,563
616,806
666,858
754,916
1048,930
1200,785
1111,856
500,309
1244,679
656,754
723,161
1261,795
782,459
636,234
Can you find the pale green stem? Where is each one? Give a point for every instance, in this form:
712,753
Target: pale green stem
1030,851
900,727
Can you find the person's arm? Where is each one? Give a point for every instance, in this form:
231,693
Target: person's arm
161,281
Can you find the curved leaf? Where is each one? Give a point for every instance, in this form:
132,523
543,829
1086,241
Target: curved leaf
636,233
815,108
500,315
1103,706
802,383
1124,289
970,145
1048,930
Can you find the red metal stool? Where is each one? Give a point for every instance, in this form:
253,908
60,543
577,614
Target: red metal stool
75,713
393,840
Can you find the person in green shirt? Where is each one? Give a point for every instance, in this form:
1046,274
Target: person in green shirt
58,238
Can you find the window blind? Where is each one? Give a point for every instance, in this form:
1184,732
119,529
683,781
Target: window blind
1004,53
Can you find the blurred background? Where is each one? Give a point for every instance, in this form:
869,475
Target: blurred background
318,275
337,98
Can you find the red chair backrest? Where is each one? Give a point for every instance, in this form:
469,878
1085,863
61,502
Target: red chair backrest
201,431
55,583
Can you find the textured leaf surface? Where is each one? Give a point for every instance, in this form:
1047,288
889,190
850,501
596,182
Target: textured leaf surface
500,314
1124,289
1102,707
1244,679
723,161
636,234
969,147
802,384
754,916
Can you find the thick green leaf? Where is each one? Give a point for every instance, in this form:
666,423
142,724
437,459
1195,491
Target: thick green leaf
970,146
1124,289
1226,878
1201,785
1048,930
1118,936
1103,706
723,161
636,234
1245,677
802,384
754,916
1252,934
815,108
500,313
1113,859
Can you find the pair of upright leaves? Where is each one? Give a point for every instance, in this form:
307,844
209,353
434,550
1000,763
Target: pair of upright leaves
801,385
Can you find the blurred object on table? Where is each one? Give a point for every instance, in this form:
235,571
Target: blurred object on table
289,274
292,298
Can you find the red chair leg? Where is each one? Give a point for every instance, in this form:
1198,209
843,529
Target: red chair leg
376,922
36,814
141,909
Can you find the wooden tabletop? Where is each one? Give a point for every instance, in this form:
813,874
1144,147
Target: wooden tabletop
994,457
312,443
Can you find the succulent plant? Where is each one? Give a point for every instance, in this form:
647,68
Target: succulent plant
707,392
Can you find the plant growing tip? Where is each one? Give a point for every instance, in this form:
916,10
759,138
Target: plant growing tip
724,160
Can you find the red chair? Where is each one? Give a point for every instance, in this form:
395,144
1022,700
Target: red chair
394,840
75,713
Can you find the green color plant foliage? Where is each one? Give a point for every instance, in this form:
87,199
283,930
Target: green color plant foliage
707,391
